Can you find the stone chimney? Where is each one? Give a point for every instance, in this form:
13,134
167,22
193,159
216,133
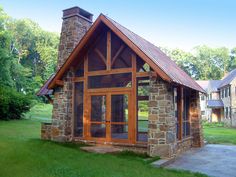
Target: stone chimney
76,23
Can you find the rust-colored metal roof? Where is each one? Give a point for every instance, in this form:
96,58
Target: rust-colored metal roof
153,53
159,58
44,90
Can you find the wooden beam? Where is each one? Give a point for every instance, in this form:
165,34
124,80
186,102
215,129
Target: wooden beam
109,50
180,111
117,54
134,112
59,82
77,79
143,74
100,55
136,49
106,72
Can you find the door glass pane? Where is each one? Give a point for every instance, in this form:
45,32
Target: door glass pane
98,108
119,131
109,81
119,108
98,130
119,115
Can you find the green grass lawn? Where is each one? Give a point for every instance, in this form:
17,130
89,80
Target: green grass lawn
23,154
217,134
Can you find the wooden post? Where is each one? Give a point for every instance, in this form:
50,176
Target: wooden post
180,112
133,120
109,50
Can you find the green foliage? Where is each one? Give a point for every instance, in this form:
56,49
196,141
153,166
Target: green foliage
13,104
204,63
28,54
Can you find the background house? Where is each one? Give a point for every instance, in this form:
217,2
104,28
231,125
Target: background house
219,104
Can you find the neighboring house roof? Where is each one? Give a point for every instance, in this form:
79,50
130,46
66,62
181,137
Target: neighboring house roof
158,60
44,90
213,85
215,103
203,84
228,78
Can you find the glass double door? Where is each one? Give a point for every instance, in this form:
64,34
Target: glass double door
109,116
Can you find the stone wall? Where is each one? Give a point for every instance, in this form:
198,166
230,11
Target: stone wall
76,22
46,131
74,27
196,121
62,110
184,145
161,120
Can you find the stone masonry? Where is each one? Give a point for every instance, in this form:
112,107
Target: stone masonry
62,111
76,22
195,117
74,27
161,120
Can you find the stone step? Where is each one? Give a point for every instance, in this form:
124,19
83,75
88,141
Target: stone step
101,149
163,162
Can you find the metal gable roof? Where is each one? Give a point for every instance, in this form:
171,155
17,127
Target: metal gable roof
228,78
44,90
159,58
153,53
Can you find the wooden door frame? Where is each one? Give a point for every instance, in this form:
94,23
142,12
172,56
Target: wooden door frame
108,124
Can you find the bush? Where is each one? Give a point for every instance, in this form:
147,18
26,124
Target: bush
13,104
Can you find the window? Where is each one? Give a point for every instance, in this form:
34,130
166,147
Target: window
185,126
202,97
186,122
80,70
120,53
202,113
229,90
230,112
142,66
78,109
210,96
226,112
97,55
226,92
109,81
223,93
143,98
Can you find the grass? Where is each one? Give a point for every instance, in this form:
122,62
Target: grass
24,154
41,112
216,133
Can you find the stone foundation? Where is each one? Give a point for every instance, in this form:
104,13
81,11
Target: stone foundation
46,129
184,145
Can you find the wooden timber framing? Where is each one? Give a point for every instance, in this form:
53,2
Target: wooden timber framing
80,48
130,91
59,82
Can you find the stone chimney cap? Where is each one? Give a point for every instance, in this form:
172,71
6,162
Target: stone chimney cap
77,11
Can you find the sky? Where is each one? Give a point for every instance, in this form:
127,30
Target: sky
182,24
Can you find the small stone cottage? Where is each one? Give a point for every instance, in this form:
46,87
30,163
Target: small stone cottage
113,87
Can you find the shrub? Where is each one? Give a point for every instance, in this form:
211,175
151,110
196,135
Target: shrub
13,104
